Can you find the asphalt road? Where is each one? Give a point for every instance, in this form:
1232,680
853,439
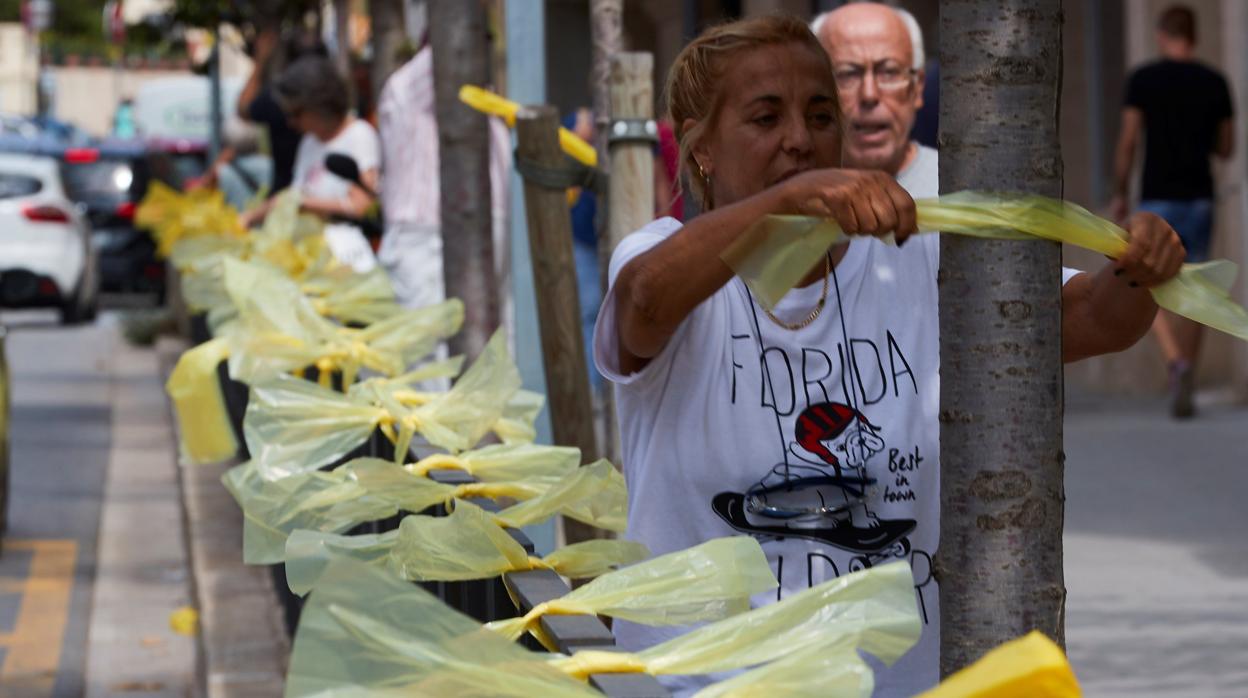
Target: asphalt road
60,435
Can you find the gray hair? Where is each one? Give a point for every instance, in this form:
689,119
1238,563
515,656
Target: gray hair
918,57
313,84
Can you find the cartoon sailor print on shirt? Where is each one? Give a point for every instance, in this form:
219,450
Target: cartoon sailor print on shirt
825,495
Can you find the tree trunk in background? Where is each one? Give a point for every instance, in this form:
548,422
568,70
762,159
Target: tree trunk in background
605,24
342,41
605,17
389,31
1000,558
457,33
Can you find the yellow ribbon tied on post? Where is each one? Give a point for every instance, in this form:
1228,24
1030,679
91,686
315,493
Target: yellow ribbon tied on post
472,543
706,582
404,640
369,489
777,251
491,104
295,426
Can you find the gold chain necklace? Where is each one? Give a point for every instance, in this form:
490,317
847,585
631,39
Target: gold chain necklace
814,314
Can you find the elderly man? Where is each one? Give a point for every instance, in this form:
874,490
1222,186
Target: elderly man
877,56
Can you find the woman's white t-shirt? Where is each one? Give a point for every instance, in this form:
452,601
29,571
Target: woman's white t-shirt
735,404
311,178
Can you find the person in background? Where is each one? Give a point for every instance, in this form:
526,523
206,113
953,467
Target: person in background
583,207
877,54
257,104
314,98
667,197
1182,110
411,248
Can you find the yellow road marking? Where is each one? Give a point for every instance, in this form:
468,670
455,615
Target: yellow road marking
34,646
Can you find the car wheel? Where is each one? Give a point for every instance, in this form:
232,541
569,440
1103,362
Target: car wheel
75,310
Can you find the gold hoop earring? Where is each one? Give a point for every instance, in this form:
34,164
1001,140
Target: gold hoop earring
706,186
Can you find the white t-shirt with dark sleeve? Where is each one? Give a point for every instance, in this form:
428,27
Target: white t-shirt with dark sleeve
822,442
312,179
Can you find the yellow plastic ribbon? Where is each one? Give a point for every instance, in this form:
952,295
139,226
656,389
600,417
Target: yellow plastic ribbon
294,426
172,216
491,104
874,609
777,251
404,641
1030,666
706,582
205,433
469,543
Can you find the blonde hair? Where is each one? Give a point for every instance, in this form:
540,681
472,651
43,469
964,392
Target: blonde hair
693,89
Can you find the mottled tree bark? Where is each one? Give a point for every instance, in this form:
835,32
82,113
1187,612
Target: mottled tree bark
457,33
1000,558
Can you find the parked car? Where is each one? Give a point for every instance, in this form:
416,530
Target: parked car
46,256
108,180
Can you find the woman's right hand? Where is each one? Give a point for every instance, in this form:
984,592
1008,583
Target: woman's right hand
862,202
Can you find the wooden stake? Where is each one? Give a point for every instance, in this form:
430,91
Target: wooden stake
554,280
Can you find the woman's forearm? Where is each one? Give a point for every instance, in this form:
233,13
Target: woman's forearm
660,288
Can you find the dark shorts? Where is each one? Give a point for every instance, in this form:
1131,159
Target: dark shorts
1191,219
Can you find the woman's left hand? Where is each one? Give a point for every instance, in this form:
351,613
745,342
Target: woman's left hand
1154,252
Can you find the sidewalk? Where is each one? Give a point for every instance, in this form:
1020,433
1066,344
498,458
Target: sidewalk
142,574
244,642
1156,556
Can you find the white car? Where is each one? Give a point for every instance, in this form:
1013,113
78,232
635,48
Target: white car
46,255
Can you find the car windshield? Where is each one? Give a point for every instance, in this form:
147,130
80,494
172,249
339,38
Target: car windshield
103,181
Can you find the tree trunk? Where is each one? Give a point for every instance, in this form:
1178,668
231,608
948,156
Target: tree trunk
604,27
605,18
1000,558
389,31
457,31
342,39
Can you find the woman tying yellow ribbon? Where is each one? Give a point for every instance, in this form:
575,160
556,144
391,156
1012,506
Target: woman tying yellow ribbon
811,425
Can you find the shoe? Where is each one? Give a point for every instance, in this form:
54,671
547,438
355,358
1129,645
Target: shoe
1182,385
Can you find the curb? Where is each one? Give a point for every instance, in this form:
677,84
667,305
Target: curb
244,648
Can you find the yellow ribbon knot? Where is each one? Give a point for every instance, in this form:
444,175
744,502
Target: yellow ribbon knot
582,664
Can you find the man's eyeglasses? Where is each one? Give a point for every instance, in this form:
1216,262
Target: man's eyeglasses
889,76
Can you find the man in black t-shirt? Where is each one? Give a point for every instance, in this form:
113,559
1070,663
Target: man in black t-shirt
1183,110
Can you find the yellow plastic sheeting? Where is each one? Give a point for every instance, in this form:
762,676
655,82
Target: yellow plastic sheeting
320,501
171,216
294,426
204,430
821,671
1030,666
491,104
874,608
279,330
594,494
350,298
467,544
777,251
516,426
706,582
368,633
505,462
